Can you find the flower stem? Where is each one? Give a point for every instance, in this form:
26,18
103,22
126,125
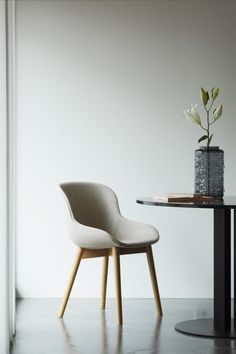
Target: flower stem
208,128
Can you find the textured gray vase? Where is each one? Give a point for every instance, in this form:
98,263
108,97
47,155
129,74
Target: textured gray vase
209,171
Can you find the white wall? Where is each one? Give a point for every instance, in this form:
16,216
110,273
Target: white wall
101,88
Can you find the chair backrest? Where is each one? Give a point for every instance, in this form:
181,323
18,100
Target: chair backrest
92,204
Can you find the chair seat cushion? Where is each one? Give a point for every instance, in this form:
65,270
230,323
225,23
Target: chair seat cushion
134,234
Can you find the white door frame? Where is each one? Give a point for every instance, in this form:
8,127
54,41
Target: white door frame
11,197
7,174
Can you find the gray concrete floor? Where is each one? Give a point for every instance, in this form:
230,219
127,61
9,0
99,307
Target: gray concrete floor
87,330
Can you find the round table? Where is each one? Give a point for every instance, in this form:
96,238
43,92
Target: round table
221,325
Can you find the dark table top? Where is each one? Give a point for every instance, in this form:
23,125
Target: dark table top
226,202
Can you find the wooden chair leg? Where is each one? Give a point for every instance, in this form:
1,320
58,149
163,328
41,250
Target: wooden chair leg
152,271
116,258
104,282
70,282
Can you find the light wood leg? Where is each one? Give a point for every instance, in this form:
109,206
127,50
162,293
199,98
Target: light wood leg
116,257
152,271
70,282
104,282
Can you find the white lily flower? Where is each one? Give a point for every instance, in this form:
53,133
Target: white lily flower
193,115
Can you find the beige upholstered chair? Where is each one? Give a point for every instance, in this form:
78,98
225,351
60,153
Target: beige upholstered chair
98,229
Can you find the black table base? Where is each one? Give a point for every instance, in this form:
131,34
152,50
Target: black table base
221,326
205,328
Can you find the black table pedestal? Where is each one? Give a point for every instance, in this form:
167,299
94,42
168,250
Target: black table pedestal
205,328
221,326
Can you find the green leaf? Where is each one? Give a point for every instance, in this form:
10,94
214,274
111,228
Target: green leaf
204,96
218,112
204,137
214,92
209,140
